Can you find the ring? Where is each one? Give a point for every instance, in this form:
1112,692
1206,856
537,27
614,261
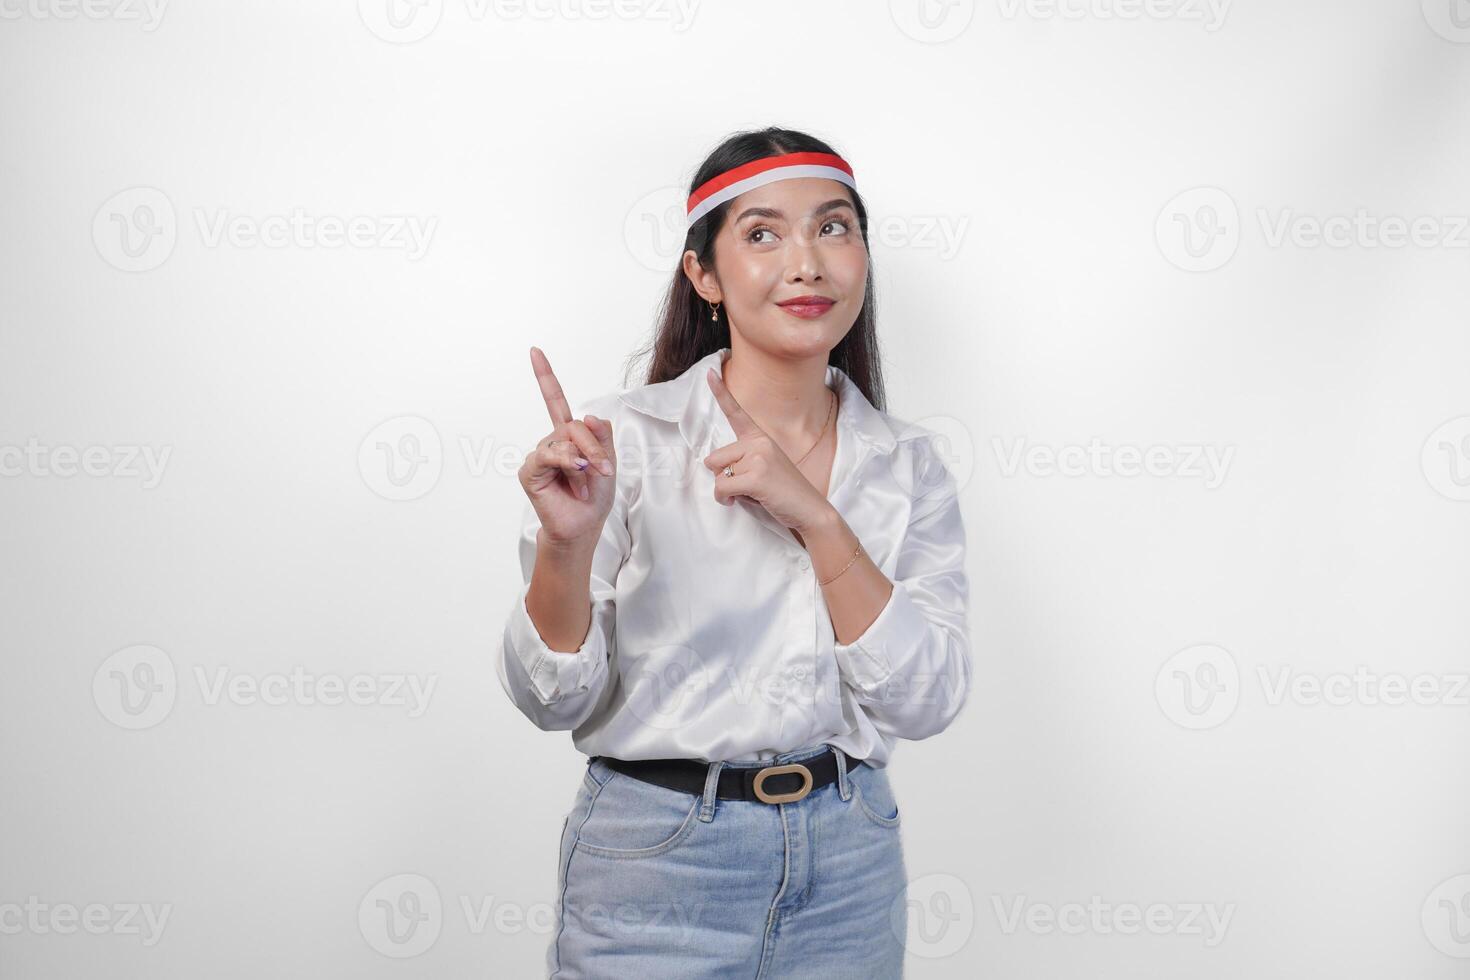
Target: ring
728,471
552,443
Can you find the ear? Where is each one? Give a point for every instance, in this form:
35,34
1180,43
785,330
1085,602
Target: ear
705,282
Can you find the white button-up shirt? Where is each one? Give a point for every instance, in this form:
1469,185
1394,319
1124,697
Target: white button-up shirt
710,637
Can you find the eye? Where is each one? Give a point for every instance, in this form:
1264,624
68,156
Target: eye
839,222
749,235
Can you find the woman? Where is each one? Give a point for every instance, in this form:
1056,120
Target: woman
738,674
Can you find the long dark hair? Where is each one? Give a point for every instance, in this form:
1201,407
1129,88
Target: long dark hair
685,332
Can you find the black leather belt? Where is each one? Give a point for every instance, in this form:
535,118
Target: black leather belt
784,783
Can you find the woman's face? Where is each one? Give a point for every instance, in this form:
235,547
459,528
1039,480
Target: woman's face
786,240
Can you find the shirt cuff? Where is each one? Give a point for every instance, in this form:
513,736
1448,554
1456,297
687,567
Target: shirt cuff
555,674
868,661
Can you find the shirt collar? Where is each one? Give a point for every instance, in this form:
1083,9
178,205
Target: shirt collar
688,401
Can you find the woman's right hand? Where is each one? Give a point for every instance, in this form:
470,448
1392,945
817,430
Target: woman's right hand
572,499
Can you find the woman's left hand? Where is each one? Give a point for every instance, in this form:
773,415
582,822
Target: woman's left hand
762,471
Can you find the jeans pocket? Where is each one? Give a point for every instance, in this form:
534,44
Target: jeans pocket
561,854
874,795
629,818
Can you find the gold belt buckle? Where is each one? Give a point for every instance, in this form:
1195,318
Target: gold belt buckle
791,797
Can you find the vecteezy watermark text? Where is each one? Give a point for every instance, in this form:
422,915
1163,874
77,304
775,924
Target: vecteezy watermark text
403,915
137,229
1200,230
1200,687
301,688
136,688
1209,13
407,21
149,13
121,462
1185,460
39,918
1208,921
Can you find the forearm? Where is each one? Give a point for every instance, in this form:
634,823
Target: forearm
559,597
857,595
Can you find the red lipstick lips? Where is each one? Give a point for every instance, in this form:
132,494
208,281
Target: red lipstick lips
807,307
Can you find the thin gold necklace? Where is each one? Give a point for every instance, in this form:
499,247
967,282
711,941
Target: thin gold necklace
830,411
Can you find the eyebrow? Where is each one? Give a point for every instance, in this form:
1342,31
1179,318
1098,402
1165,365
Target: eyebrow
820,209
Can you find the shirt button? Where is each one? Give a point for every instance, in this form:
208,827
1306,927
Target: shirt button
804,562
800,673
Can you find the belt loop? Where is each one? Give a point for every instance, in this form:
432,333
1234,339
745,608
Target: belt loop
842,788
711,791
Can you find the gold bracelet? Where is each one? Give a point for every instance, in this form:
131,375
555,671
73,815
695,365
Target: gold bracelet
845,567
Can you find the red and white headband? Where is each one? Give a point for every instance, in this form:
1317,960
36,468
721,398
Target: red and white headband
732,183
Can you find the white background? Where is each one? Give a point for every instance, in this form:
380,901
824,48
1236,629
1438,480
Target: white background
1078,297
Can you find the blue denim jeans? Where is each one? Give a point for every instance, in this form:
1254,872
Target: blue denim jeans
655,883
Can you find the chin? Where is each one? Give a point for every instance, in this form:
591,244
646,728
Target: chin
806,340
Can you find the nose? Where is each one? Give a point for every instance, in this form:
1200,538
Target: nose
805,262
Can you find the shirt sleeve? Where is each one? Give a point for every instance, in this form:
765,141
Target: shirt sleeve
910,669
557,690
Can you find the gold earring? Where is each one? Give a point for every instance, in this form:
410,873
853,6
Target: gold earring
714,313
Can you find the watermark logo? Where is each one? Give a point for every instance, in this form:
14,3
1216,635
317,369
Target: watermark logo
1450,19
402,458
667,686
135,687
1199,229
1198,687
401,21
1446,917
655,227
136,229
1445,459
401,916
1201,686
934,916
952,450
932,21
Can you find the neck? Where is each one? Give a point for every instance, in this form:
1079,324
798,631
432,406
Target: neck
787,397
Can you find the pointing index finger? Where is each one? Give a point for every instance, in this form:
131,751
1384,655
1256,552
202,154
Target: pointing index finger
742,423
556,402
